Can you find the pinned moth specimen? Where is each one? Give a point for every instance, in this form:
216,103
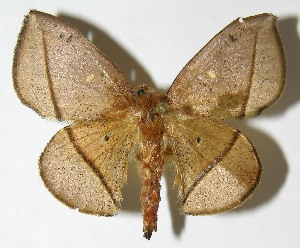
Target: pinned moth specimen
62,76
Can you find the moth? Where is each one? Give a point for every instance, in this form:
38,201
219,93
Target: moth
62,76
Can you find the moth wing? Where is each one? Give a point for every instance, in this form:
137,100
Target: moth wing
217,167
238,73
61,75
85,165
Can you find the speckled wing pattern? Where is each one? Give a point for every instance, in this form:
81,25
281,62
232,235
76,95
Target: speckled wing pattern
238,73
217,167
61,75
85,165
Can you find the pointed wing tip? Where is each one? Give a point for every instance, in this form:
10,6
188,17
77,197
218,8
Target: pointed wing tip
21,40
16,59
260,16
263,18
34,12
30,14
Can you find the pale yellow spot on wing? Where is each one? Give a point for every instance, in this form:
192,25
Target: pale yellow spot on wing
212,74
90,78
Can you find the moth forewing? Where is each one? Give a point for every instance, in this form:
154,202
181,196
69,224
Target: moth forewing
62,75
237,74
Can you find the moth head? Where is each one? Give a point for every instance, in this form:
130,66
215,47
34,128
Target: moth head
149,100
142,90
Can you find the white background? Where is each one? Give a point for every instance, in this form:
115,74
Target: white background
154,39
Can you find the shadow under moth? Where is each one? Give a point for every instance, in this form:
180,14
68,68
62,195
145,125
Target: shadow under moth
62,76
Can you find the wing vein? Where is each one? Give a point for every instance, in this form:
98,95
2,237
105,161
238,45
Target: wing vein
91,165
244,106
211,165
49,80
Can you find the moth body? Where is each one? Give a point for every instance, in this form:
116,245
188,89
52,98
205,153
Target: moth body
149,107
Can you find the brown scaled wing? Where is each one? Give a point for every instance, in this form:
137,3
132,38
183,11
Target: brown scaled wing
237,74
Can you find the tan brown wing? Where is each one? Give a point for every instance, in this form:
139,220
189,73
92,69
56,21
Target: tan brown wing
238,73
61,75
217,167
85,165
